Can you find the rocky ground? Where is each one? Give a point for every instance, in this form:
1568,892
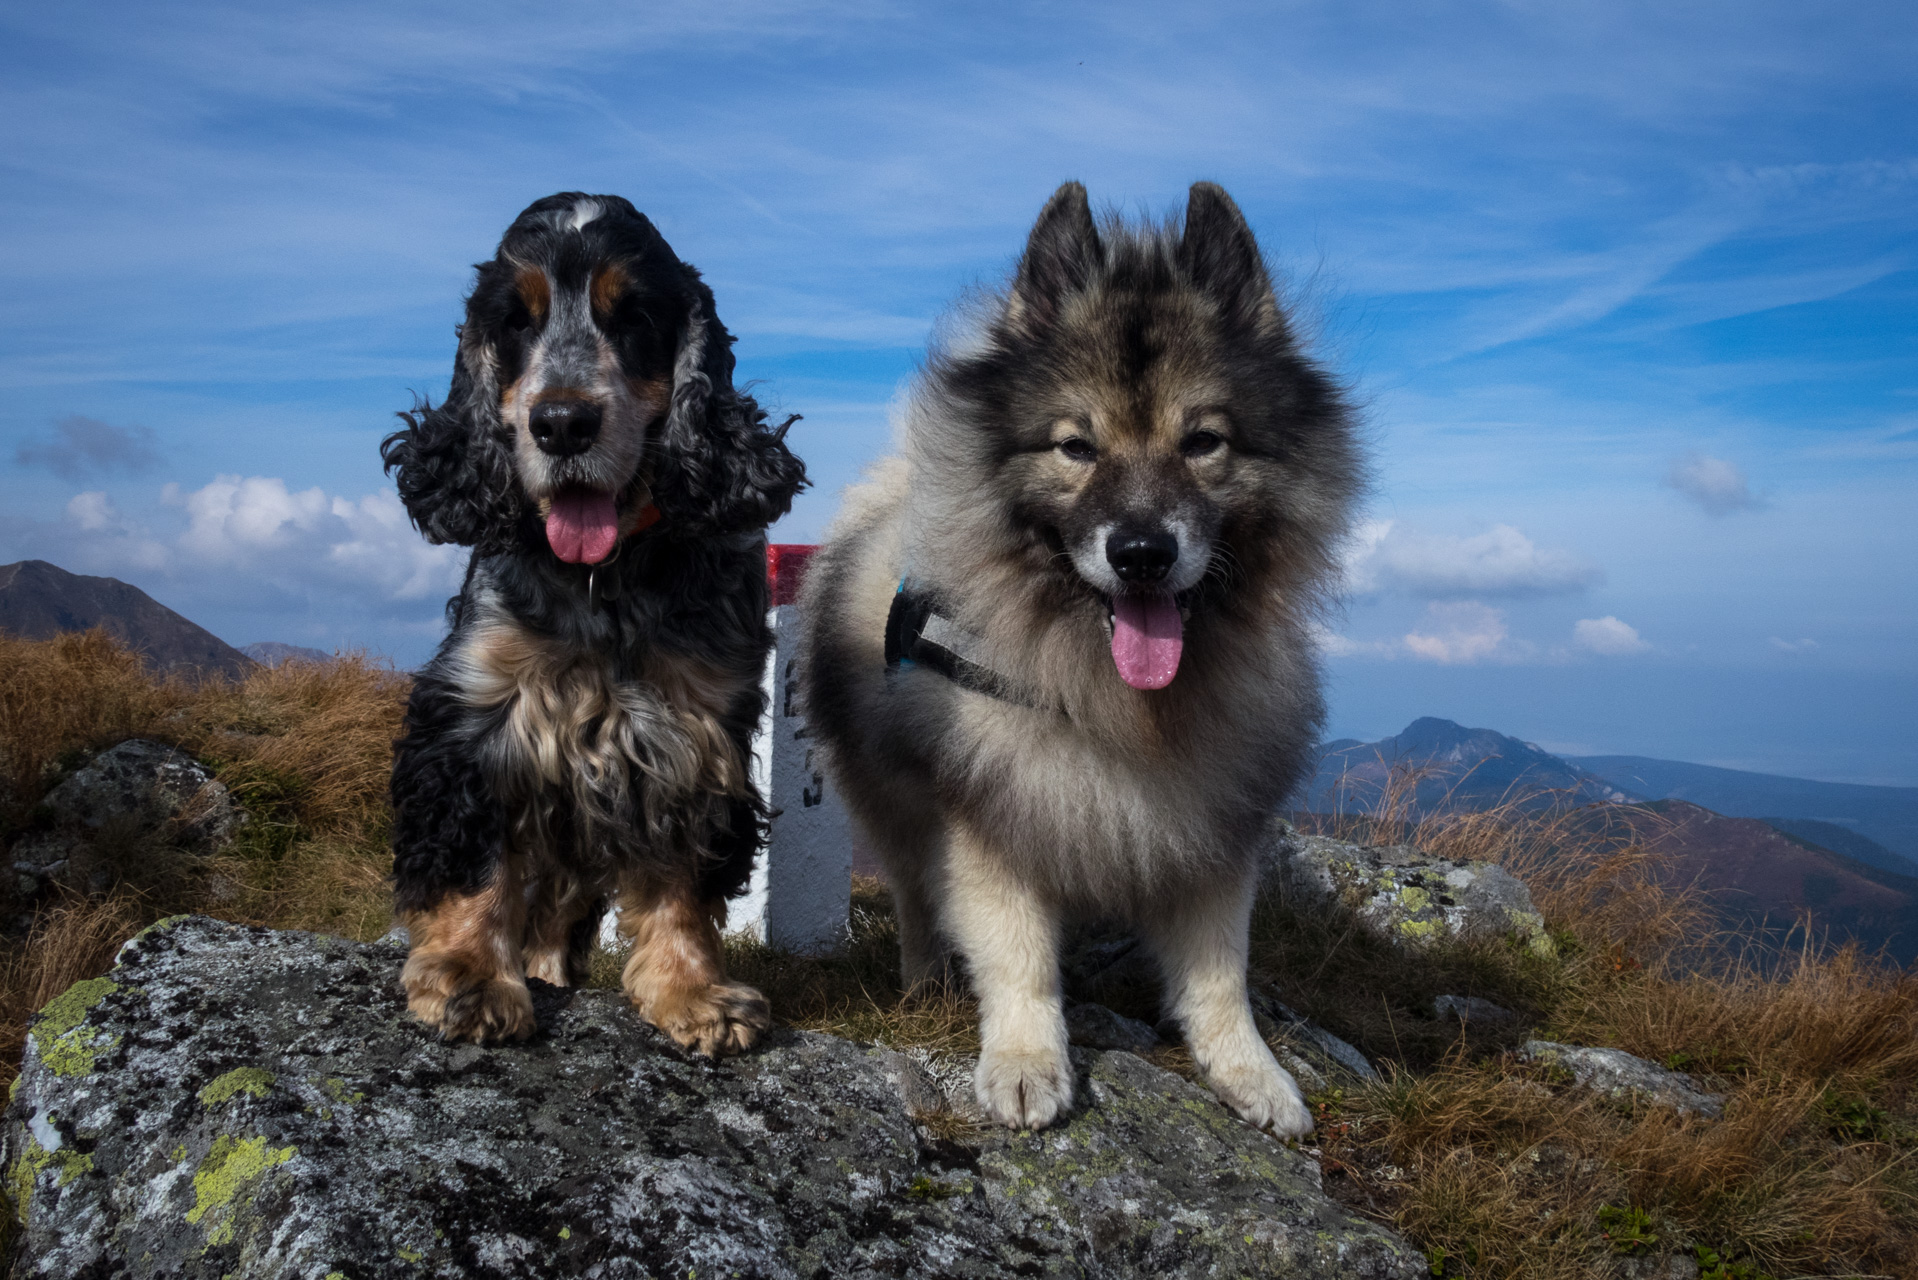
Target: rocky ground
238,1101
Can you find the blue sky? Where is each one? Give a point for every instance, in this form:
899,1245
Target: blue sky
1627,291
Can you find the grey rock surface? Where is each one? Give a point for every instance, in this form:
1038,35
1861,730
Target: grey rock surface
152,784
1399,892
1626,1078
1097,1027
1329,1055
234,1101
138,785
1470,1009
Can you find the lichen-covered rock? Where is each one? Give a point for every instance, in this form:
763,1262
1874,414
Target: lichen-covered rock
1401,893
233,1101
151,784
137,787
1625,1077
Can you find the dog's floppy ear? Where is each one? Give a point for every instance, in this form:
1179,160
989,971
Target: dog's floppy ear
1221,257
1062,255
718,469
454,475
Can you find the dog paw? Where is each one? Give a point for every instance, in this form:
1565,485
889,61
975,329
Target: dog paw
1023,1090
483,1012
715,1020
1265,1096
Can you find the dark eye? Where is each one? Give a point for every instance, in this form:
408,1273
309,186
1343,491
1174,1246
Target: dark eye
1077,449
1200,443
518,320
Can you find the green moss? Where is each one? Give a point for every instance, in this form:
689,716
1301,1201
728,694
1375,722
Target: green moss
36,1160
566,1233
409,1255
1420,930
1413,898
224,1177
249,1080
339,1091
67,1045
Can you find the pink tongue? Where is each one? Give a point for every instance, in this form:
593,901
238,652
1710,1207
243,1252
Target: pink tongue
582,526
1147,638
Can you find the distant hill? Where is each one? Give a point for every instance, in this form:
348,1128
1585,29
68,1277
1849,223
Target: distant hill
1755,874
39,601
271,653
1829,835
1888,815
1465,769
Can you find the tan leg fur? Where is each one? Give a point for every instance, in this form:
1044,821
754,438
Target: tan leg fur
463,974
676,976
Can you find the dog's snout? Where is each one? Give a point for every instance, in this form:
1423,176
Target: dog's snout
1140,556
565,427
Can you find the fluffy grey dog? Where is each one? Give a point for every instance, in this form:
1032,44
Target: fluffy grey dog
1060,652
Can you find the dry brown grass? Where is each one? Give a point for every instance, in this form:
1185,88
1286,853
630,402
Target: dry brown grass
304,749
1498,1170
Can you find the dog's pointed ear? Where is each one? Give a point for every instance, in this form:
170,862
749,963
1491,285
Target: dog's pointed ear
1222,258
1062,255
453,477
716,466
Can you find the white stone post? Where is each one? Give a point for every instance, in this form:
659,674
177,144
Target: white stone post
801,888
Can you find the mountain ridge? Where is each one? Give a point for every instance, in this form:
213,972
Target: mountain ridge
40,600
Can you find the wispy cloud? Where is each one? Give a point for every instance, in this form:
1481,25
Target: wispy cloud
1502,561
1608,637
1716,486
79,447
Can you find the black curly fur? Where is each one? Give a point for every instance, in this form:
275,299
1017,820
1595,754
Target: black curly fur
691,586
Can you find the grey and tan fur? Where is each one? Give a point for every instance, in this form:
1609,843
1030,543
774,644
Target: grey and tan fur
1135,386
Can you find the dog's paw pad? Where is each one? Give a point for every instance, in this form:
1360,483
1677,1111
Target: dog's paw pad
1265,1097
1024,1090
715,1020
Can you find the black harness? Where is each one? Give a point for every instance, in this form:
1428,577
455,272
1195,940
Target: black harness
918,635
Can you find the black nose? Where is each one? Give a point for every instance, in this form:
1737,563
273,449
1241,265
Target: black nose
565,427
1141,557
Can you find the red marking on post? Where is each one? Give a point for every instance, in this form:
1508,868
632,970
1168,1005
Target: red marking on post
786,569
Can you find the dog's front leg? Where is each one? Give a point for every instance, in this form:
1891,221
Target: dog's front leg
676,976
463,974
1201,944
1010,937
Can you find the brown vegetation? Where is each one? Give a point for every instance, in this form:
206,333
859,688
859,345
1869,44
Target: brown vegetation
303,747
1494,1166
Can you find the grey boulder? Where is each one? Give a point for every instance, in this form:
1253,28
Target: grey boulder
136,786
234,1101
1400,893
1626,1078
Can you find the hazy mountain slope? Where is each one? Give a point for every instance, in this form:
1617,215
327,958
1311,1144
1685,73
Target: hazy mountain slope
1861,848
1467,769
39,601
272,652
1755,874
1888,815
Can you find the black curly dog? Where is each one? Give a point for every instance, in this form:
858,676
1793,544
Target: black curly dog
583,733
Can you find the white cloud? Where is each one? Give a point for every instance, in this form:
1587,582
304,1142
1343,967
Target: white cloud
1502,561
253,532
91,511
1607,637
1793,646
1717,486
1462,632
